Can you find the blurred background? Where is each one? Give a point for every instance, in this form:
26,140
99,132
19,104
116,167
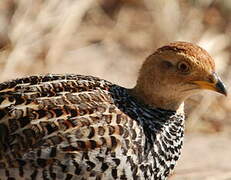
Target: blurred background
110,39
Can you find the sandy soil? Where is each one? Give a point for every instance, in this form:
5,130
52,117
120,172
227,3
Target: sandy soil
205,157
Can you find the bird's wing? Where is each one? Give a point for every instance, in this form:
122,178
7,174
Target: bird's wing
53,113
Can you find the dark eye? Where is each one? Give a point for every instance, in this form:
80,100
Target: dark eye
183,67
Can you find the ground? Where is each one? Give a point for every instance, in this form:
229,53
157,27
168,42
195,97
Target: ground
204,157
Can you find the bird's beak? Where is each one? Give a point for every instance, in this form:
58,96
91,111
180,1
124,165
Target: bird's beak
215,84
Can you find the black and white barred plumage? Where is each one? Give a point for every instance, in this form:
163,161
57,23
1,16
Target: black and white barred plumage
81,127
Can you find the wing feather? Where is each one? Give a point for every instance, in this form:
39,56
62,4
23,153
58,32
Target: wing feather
56,111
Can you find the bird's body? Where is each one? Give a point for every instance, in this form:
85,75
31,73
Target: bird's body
82,127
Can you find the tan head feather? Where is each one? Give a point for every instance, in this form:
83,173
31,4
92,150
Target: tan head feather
173,73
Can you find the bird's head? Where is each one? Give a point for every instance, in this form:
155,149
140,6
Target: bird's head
173,73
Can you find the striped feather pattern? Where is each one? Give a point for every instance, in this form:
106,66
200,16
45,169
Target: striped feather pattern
82,127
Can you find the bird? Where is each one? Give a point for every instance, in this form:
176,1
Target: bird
70,126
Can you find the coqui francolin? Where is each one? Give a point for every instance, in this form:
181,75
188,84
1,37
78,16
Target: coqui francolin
81,127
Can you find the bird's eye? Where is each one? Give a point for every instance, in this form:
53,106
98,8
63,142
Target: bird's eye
183,67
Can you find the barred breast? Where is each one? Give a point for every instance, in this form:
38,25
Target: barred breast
82,127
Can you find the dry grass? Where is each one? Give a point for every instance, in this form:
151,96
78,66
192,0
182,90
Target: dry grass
111,38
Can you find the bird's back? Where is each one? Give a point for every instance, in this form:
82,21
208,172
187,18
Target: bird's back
82,127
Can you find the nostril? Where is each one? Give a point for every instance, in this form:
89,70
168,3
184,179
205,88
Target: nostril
211,79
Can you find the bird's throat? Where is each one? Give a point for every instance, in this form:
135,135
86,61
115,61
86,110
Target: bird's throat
158,100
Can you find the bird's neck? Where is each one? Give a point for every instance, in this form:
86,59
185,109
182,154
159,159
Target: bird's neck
159,99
